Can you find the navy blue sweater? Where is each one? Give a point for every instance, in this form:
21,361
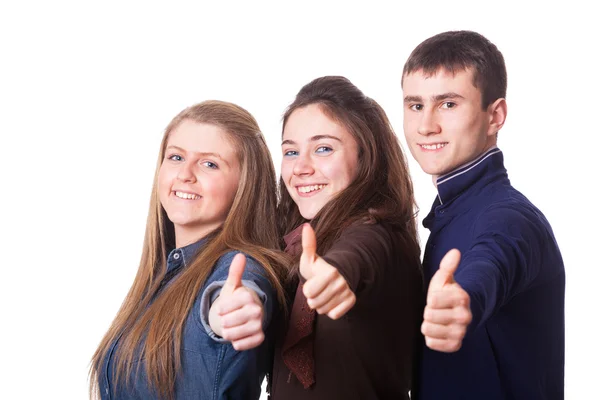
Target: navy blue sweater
512,269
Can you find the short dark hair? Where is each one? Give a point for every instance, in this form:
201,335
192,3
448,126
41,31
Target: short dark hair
458,51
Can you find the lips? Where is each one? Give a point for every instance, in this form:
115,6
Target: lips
186,195
432,146
310,188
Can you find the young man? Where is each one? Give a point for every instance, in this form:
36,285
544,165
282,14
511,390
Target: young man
494,320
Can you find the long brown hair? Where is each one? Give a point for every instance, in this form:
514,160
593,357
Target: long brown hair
151,324
382,189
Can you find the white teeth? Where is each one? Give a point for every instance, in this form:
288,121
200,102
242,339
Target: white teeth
311,188
188,196
433,146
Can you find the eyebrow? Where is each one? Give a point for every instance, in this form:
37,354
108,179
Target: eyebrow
436,98
201,153
313,139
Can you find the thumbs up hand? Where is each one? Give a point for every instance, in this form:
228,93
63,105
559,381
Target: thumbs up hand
326,290
448,312
237,314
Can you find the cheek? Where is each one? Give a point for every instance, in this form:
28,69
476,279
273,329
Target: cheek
223,188
410,125
464,124
407,129
164,179
163,187
232,191
340,173
286,171
470,134
351,166
453,123
210,186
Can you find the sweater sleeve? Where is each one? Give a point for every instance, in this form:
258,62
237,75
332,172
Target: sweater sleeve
361,254
504,260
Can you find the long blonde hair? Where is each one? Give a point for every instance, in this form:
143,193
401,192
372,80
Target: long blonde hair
151,327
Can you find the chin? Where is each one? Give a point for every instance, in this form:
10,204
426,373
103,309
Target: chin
180,218
308,213
433,169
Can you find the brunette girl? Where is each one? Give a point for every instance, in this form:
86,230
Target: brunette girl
357,280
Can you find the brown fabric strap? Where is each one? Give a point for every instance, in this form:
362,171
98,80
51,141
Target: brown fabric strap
298,345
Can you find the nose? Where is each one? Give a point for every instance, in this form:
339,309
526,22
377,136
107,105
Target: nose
186,173
303,165
428,124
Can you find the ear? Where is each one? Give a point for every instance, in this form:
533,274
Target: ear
497,115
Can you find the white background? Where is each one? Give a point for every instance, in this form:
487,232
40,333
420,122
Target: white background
86,89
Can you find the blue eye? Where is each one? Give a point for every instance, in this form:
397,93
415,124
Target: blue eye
175,157
210,165
324,149
290,153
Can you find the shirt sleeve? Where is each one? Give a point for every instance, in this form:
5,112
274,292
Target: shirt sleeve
254,277
504,260
361,254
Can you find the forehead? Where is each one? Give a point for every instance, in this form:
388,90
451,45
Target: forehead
419,83
201,138
310,121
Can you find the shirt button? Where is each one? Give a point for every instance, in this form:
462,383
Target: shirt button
176,256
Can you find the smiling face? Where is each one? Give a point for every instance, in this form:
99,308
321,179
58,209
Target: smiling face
444,123
198,179
320,159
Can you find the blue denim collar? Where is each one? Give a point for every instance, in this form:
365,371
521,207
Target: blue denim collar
184,255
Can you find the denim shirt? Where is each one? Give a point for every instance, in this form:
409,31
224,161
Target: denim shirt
211,367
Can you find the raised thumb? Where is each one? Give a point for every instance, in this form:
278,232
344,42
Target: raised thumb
236,271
